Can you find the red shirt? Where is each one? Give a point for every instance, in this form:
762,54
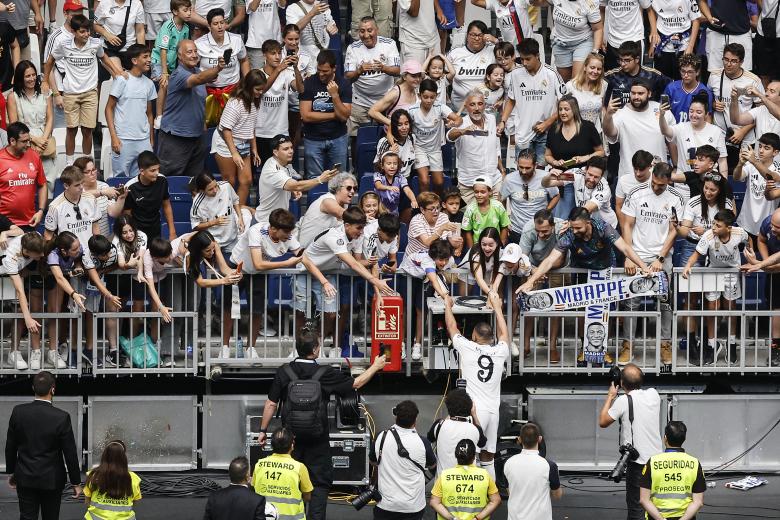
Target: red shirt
20,178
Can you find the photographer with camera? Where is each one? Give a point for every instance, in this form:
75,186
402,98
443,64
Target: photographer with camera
672,482
460,424
297,385
638,412
402,457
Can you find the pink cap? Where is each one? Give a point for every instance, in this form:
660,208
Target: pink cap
411,67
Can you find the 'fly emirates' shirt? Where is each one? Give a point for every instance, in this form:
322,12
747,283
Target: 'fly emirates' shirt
210,52
323,251
623,20
536,98
80,64
653,214
20,178
371,85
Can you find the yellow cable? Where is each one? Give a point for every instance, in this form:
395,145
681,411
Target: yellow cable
446,386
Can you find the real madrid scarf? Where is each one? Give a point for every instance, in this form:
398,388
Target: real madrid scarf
596,296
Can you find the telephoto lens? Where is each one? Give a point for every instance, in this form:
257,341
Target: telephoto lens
369,494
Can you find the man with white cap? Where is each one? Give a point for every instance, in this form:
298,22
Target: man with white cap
477,148
483,212
370,64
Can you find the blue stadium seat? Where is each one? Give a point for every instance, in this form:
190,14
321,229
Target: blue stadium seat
404,234
315,193
116,181
295,208
366,183
414,183
179,184
58,188
181,228
210,165
369,134
280,293
448,157
365,158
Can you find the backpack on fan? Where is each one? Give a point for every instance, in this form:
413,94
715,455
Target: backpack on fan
303,409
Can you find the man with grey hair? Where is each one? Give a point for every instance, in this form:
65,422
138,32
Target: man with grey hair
477,148
237,501
278,179
325,212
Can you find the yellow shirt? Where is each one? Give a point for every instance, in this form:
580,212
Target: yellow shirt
108,508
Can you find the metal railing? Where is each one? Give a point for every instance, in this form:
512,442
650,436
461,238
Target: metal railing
203,338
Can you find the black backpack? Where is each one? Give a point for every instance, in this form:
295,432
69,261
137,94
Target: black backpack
303,409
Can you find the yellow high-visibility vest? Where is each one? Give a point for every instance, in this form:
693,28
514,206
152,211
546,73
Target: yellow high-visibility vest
672,476
464,491
278,478
102,507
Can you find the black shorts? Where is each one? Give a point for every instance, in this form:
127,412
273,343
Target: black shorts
774,290
763,48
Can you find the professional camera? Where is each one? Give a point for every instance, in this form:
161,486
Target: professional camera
627,454
369,494
614,375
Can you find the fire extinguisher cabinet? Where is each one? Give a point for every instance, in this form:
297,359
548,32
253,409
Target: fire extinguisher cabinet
387,329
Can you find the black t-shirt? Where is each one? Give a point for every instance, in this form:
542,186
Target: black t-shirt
620,82
584,142
7,37
332,381
316,91
734,16
145,201
5,224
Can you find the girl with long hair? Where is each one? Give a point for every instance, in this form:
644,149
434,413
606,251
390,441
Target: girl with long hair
400,141
588,87
130,243
233,143
484,262
112,489
216,208
307,65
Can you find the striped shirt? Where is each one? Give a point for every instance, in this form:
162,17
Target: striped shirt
236,119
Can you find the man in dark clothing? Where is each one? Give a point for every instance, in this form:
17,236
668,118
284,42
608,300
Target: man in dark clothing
237,501
39,436
314,453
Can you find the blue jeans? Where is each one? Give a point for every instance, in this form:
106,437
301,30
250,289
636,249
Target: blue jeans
125,163
322,155
566,203
537,146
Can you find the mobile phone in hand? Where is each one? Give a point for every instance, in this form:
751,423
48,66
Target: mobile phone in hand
664,99
227,55
337,166
566,176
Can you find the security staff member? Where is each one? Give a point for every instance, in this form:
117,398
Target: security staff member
465,492
672,483
282,480
314,453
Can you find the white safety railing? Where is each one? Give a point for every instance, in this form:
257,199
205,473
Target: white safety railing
202,337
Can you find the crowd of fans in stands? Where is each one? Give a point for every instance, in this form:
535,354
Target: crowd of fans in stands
681,160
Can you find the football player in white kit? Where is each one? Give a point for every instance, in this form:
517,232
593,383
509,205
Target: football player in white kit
482,366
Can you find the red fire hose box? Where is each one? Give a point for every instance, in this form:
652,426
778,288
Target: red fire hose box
387,331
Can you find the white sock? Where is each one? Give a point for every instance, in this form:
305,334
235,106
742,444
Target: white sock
510,156
712,343
489,466
68,160
732,338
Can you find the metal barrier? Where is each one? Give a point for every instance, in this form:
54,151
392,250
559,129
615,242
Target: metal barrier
202,326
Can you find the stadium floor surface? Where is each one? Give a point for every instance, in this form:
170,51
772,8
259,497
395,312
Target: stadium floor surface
590,498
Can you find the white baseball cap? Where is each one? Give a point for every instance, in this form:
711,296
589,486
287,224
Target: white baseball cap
484,180
511,253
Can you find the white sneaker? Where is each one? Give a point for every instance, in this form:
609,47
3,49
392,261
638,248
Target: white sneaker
267,332
35,359
224,352
334,353
157,122
294,354
16,360
416,352
251,353
403,351
515,349
54,359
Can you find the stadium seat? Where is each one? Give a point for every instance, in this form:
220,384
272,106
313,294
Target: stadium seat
58,188
366,183
116,181
179,184
105,91
180,227
280,292
295,208
105,155
365,158
414,183
369,134
448,157
211,163
33,51
403,233
315,193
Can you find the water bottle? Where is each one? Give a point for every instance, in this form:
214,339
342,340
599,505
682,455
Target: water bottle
240,347
188,351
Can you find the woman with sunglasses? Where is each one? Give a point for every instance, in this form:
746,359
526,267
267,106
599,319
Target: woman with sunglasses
689,135
112,489
697,219
325,212
110,201
401,96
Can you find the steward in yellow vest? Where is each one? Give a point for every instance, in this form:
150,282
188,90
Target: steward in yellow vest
672,484
112,489
465,492
282,480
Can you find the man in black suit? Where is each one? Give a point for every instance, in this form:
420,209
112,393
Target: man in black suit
237,501
39,436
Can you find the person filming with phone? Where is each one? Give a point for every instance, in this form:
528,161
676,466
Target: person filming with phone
637,411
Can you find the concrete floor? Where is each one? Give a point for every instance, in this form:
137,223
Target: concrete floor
586,498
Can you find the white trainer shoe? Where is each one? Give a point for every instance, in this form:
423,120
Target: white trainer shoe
515,349
35,359
16,360
251,353
157,122
55,359
416,352
334,352
224,352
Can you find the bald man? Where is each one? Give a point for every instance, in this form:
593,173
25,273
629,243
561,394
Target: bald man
181,146
642,432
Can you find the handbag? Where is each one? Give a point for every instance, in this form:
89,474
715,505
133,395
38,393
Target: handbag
123,36
769,25
141,351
